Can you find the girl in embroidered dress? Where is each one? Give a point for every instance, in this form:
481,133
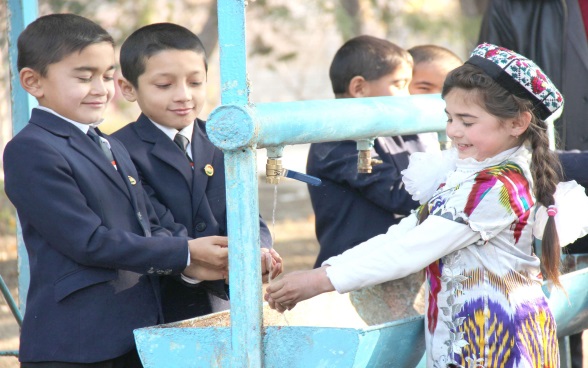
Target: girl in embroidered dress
474,230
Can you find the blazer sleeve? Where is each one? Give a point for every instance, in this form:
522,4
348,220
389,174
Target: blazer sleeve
55,207
337,162
574,165
161,219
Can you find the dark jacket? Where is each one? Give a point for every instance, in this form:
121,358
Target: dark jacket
183,196
551,33
92,248
350,207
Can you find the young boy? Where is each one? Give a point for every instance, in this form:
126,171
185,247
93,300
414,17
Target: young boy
94,243
164,68
432,63
351,207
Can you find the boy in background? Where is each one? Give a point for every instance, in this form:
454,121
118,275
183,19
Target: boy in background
94,243
432,63
164,68
351,207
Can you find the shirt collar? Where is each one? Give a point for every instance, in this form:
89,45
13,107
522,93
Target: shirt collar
171,132
83,127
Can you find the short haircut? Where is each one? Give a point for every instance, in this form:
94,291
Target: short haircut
430,53
152,39
50,38
365,56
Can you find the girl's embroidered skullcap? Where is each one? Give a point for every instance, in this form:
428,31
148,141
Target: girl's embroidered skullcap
518,75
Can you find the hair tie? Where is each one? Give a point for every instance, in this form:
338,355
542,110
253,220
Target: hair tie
551,211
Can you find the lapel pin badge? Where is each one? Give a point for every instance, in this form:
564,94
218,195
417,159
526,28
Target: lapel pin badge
132,180
209,170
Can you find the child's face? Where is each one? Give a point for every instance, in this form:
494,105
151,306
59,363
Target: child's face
80,85
428,77
172,90
393,84
475,132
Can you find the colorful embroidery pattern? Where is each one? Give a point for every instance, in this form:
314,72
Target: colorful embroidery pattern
515,195
486,307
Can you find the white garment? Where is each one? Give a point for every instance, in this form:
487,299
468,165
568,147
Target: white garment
485,302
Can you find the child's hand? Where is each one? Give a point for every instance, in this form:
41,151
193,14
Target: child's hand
270,261
210,252
202,273
297,286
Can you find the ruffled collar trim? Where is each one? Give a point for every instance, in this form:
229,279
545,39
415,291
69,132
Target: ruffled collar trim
471,163
426,171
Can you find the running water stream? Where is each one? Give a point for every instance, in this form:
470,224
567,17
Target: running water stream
273,233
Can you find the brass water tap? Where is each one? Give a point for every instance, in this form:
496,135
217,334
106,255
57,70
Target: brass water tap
364,156
273,170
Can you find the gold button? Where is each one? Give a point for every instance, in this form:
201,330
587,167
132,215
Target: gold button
209,170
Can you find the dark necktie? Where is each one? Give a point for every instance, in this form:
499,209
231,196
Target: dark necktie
103,145
182,143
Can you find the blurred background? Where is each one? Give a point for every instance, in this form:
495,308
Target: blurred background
290,46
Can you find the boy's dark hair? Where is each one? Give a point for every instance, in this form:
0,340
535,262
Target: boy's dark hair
365,56
428,53
52,37
149,40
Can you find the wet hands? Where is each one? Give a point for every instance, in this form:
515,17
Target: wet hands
294,287
270,262
209,258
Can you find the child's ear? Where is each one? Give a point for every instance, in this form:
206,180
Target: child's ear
127,90
521,124
358,86
31,81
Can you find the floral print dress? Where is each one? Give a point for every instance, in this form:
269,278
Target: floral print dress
485,306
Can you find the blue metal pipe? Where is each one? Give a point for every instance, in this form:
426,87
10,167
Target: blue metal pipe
10,301
22,12
276,124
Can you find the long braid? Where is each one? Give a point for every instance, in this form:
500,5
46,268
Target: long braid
547,172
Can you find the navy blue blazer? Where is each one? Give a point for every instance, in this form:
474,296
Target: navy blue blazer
93,242
183,196
350,207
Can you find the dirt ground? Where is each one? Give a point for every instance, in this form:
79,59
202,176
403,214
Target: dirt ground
294,239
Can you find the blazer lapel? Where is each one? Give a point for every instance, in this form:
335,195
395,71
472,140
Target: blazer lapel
80,142
202,152
163,147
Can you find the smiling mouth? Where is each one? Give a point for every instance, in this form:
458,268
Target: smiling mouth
461,146
185,111
95,104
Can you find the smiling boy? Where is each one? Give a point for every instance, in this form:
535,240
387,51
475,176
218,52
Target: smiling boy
93,240
164,68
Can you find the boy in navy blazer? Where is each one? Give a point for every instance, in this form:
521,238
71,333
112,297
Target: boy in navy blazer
351,207
164,68
94,242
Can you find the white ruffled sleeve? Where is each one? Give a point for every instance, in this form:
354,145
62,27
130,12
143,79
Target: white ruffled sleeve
571,221
426,171
385,258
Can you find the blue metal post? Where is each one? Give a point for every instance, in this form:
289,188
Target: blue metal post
242,201
22,12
